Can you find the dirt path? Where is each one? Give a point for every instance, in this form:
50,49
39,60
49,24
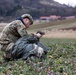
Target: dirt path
53,33
60,34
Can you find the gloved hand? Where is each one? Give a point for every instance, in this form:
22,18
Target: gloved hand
42,33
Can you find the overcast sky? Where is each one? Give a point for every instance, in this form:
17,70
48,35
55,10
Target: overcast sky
68,2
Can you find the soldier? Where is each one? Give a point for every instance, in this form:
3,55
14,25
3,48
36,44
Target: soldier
13,31
23,47
27,45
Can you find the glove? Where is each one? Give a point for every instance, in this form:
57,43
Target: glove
42,33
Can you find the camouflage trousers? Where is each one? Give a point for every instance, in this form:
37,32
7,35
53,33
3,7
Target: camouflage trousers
6,49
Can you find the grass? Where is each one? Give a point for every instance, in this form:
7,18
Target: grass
60,60
53,23
47,41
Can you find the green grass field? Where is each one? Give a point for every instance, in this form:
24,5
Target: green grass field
60,60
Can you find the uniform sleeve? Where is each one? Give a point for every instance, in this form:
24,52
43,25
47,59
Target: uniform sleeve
22,30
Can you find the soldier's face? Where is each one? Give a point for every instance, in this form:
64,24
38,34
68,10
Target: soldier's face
27,22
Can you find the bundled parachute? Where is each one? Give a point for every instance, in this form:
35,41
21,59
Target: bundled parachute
22,49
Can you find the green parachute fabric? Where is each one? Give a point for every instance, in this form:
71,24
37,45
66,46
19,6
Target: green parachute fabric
24,49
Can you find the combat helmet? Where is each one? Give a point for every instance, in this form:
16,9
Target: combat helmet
28,16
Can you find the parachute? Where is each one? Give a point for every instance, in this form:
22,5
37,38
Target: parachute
22,49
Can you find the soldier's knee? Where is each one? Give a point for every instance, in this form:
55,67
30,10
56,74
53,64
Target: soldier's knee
1,47
9,46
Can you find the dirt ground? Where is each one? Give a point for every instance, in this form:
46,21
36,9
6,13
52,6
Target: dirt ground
54,33
60,34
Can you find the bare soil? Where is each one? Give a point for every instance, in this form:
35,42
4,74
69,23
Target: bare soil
60,34
54,33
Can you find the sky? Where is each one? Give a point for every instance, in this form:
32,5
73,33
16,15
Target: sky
67,2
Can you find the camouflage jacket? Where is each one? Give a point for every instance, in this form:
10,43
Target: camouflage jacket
12,32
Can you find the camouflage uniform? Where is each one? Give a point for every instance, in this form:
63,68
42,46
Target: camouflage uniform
11,33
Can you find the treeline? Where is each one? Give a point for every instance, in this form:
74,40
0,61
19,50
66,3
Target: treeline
59,11
37,13
35,8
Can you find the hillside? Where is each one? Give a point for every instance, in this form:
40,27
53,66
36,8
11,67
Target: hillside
56,29
61,24
12,9
55,25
